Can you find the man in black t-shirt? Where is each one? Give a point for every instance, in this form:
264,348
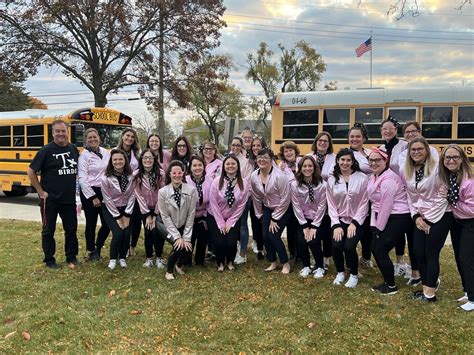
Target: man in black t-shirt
57,164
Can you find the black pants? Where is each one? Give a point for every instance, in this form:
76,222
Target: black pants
154,241
462,237
347,247
49,215
225,245
314,245
325,229
256,228
199,240
291,232
135,225
428,247
176,257
273,243
120,237
366,239
382,244
92,213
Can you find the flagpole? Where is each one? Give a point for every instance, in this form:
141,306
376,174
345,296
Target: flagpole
372,49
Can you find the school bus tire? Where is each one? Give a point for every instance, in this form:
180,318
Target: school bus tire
17,191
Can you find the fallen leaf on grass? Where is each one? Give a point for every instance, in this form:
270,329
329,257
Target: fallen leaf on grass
9,335
8,321
136,311
111,293
126,293
26,335
310,325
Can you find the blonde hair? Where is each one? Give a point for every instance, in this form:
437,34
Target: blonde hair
430,162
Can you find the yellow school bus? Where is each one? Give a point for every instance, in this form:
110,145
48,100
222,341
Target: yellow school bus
23,133
446,115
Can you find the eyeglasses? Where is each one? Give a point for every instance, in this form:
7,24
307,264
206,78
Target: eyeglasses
182,146
263,158
247,138
236,145
208,149
417,150
414,131
375,161
323,141
453,158
148,158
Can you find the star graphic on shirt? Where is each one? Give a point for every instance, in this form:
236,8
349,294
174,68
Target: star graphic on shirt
71,162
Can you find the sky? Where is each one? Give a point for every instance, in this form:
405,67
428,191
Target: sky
433,49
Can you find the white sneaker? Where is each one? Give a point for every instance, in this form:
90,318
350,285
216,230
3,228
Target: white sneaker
352,282
305,272
132,251
407,271
240,259
366,263
468,306
319,273
160,263
463,298
112,264
340,277
254,247
148,263
399,269
123,263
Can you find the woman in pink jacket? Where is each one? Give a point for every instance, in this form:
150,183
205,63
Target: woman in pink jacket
308,198
202,182
430,211
211,160
390,216
92,164
348,207
154,144
148,179
456,173
119,200
271,198
228,196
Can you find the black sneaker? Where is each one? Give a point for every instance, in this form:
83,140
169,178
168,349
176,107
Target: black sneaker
93,256
428,299
260,256
52,265
414,282
417,294
383,289
73,261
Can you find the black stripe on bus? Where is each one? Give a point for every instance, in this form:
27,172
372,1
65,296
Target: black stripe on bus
16,160
21,148
11,172
373,141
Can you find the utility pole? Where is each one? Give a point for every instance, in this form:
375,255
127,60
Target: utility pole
161,112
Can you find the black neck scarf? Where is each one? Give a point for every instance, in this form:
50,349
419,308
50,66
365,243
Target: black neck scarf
152,178
419,175
229,191
453,189
177,195
199,183
320,160
95,151
123,180
389,146
310,190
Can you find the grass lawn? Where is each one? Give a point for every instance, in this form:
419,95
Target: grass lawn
92,309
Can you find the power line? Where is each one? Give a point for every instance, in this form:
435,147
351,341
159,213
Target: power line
343,25
358,9
344,32
346,37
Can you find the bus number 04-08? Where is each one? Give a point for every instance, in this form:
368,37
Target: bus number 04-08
298,100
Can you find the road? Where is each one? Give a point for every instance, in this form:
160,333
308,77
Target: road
24,208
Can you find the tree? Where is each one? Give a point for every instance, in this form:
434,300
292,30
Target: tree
195,130
296,69
331,86
212,96
13,97
106,44
147,124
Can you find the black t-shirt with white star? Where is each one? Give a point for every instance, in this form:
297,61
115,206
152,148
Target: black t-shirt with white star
58,168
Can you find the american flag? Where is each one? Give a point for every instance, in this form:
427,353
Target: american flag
364,47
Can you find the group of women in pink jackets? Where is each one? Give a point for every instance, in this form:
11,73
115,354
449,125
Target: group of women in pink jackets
383,197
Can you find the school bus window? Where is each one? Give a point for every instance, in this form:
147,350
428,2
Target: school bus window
402,115
18,136
5,136
466,122
371,117
50,133
437,122
336,122
35,136
300,124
